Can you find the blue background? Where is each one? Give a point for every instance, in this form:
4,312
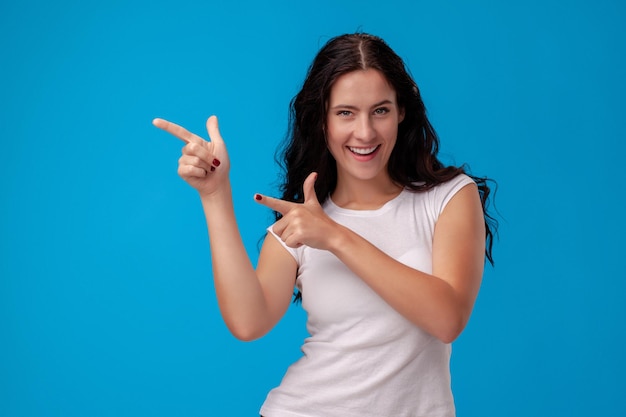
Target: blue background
106,301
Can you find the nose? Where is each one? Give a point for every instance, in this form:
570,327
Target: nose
364,129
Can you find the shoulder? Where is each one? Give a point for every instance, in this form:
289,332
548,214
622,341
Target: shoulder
445,191
435,199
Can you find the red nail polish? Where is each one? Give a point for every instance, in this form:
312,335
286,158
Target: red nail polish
212,169
216,162
258,197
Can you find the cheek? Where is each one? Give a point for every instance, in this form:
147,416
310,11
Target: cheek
334,148
392,133
393,144
334,140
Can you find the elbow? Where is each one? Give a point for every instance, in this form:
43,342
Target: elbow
245,337
451,330
449,336
245,333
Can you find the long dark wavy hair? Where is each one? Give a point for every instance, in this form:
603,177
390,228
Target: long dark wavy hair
413,163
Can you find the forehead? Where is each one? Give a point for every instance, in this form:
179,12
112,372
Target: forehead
362,86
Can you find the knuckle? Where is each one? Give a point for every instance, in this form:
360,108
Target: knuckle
192,148
185,171
298,218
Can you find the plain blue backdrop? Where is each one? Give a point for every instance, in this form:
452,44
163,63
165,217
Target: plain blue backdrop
107,306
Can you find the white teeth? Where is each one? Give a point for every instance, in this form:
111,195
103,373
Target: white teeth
363,151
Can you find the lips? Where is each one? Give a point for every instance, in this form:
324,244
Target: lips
363,151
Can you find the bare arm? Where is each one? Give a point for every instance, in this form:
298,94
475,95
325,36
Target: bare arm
251,302
441,302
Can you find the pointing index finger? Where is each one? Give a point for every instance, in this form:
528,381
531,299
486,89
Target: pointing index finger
176,130
276,204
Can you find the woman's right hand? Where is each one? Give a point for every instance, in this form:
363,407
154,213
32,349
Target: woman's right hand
204,165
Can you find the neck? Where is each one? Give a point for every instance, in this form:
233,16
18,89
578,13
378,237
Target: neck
359,194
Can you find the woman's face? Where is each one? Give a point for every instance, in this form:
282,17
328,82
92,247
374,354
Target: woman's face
362,124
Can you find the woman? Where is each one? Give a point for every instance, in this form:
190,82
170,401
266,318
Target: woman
385,245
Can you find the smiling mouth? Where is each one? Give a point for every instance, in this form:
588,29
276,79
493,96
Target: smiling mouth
363,151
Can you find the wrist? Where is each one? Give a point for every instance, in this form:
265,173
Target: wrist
218,195
340,240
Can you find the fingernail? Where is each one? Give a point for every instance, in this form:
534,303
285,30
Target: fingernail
258,197
216,162
212,169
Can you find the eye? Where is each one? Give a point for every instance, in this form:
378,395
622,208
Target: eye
344,113
381,111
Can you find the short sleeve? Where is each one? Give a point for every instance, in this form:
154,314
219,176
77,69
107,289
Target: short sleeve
443,193
294,252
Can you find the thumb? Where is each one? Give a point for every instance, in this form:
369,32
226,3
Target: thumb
309,189
214,130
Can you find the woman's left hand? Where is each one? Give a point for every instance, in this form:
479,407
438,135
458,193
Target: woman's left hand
302,223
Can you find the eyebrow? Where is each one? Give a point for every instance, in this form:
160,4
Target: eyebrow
348,106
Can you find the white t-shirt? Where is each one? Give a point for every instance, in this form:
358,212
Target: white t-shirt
363,359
